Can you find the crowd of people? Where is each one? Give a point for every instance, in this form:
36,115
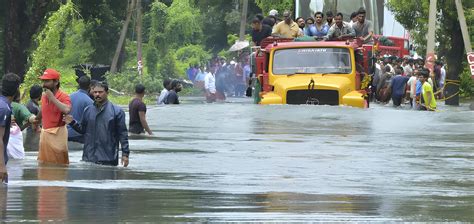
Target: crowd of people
85,117
398,79
404,80
321,26
221,78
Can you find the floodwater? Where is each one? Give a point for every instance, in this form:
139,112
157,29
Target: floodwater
238,161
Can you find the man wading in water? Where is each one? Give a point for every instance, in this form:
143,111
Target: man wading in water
103,126
55,104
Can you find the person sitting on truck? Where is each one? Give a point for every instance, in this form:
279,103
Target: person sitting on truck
287,28
318,30
330,18
354,18
269,21
363,29
340,29
301,23
309,23
259,31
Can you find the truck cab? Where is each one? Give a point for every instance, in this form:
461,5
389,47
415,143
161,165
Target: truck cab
313,72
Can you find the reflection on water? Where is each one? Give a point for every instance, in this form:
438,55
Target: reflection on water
3,202
244,162
52,204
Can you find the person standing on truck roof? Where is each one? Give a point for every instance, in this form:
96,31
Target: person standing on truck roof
287,28
259,31
363,29
340,29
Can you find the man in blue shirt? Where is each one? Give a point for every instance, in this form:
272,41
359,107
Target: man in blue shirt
318,29
398,86
10,84
104,129
80,100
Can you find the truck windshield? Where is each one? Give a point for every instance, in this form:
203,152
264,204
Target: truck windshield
311,60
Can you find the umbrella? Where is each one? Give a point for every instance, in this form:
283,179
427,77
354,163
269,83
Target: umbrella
239,45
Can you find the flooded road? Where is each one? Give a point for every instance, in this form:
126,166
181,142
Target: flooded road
244,162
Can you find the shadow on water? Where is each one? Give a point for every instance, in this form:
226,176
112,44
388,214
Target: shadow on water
243,162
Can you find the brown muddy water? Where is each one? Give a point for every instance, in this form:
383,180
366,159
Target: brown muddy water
242,162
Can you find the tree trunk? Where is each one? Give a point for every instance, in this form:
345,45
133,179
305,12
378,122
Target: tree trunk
19,30
3,18
243,20
139,38
131,6
14,59
454,59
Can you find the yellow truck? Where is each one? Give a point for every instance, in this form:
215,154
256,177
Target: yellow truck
312,72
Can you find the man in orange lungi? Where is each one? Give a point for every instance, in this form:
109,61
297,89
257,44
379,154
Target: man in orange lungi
55,104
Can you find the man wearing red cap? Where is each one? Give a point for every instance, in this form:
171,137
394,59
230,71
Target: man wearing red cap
55,104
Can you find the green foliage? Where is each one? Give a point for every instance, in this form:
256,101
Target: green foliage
104,19
466,86
49,42
178,26
280,5
167,67
126,81
191,55
77,49
184,24
156,43
413,15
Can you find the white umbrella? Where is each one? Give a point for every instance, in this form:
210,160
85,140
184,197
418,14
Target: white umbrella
239,45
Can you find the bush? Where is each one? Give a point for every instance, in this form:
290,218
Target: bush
466,86
126,81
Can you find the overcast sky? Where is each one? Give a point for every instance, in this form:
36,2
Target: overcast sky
391,27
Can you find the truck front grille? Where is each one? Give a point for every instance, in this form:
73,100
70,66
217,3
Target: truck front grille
314,97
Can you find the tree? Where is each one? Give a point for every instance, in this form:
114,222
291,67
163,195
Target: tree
280,5
48,41
184,24
156,47
22,21
221,18
2,36
105,22
413,16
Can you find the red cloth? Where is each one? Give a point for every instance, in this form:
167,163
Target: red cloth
52,116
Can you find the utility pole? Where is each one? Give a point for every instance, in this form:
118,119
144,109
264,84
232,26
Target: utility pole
243,20
130,8
139,38
430,46
465,33
462,23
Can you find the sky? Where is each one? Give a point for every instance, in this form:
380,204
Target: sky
391,26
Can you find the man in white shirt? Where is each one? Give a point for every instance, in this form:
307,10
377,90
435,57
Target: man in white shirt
210,87
408,66
164,92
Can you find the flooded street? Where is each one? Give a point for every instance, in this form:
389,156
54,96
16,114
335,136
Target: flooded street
243,162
